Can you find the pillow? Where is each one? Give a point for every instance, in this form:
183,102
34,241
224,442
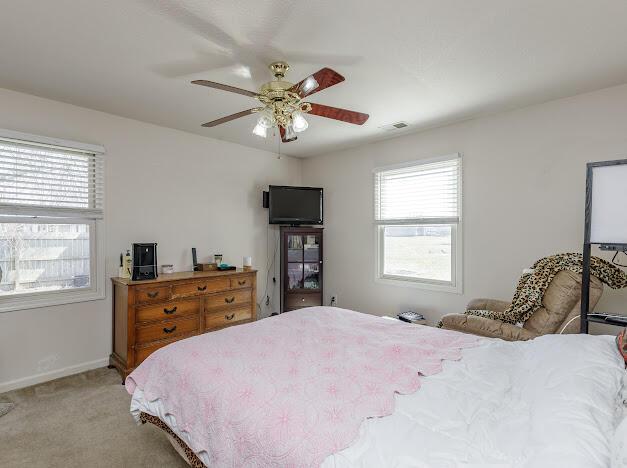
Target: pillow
621,341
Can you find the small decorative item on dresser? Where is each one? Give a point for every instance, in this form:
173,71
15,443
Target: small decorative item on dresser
167,268
247,263
217,258
128,265
121,270
207,267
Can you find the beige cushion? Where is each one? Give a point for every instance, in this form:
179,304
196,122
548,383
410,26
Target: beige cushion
488,304
561,303
486,327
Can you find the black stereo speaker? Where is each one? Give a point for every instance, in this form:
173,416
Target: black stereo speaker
144,261
265,200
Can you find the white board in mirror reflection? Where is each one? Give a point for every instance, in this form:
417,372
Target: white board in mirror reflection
609,205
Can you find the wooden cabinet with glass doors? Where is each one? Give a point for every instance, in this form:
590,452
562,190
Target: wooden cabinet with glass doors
301,267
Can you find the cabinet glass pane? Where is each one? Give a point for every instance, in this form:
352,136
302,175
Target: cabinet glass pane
312,248
295,275
312,276
294,248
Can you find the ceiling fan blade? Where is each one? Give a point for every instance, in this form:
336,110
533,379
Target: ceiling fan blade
228,118
324,79
336,113
223,87
282,132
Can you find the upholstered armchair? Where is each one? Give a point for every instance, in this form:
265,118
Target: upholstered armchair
558,314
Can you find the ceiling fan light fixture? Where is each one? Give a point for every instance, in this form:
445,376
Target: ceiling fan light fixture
266,119
289,133
283,104
260,131
299,123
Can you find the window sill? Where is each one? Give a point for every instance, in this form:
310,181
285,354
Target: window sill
419,284
56,298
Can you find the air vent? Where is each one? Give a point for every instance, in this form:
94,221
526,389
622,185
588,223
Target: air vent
394,126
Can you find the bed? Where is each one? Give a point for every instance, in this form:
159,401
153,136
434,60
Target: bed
335,388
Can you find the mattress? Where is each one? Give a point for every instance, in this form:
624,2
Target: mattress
551,402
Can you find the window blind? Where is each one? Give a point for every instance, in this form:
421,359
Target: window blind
423,193
46,180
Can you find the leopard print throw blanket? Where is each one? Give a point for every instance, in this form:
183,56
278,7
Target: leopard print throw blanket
531,286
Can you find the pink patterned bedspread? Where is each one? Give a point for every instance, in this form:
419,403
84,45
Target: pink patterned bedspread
292,389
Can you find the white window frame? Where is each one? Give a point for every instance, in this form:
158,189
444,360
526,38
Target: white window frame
96,289
454,286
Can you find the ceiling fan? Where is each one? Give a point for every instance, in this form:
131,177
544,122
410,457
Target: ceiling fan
283,103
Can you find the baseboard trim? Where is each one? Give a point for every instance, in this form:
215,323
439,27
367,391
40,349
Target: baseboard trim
51,375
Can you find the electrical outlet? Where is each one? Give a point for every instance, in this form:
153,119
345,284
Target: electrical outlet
334,300
267,300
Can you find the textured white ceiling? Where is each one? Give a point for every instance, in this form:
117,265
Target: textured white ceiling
426,62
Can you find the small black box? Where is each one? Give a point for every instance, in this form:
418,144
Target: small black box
144,262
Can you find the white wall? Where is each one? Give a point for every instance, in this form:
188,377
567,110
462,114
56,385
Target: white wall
162,185
524,184
524,174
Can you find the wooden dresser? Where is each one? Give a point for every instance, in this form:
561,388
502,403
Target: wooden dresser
148,315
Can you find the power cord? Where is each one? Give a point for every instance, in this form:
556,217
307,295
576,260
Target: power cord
270,265
569,322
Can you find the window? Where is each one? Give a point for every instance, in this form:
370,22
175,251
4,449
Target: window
418,223
51,215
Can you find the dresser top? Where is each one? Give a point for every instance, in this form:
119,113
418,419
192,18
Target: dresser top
182,275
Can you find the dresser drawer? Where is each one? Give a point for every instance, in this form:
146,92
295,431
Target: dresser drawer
297,301
241,283
215,319
166,329
200,287
142,352
229,299
167,310
156,294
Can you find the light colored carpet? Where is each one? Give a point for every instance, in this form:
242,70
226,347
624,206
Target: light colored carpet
80,421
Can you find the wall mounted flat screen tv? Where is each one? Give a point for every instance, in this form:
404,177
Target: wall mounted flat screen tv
295,205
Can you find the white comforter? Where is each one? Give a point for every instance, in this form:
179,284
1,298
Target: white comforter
551,402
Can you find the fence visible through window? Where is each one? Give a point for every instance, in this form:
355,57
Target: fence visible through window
43,257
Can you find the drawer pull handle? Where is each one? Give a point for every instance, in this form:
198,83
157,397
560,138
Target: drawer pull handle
169,330
229,300
169,311
204,288
152,294
230,317
241,283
